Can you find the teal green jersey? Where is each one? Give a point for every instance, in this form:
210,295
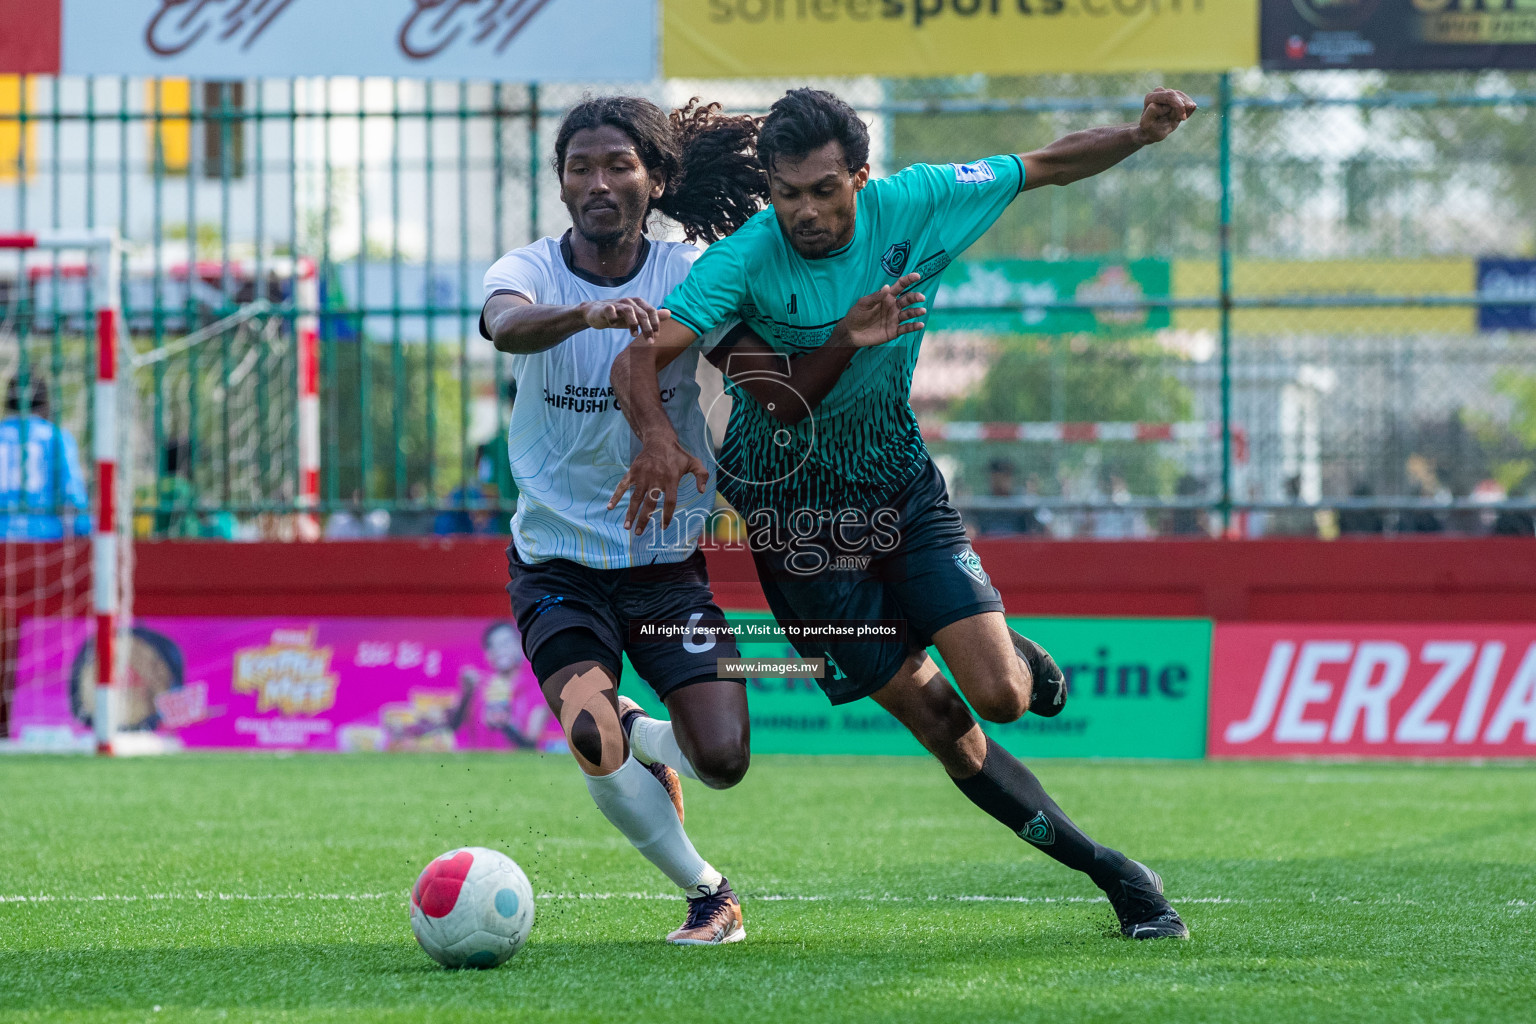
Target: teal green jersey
861,444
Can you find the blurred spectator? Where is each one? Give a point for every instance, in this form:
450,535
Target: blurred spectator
51,501
276,289
493,465
1423,484
475,512
177,513
1421,472
1419,520
355,524
493,468
415,520
343,525
1361,520
1042,516
1189,522
1480,521
998,521
1298,521
1514,522
1119,523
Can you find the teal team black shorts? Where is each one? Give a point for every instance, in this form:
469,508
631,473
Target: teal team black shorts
914,566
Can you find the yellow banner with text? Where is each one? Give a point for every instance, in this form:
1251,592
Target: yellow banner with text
926,38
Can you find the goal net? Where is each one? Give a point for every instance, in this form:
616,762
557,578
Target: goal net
204,425
60,496
213,431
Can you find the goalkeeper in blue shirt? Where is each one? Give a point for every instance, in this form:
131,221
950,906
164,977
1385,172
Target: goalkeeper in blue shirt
847,516
42,486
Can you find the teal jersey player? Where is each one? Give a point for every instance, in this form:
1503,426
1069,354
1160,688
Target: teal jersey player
861,444
848,519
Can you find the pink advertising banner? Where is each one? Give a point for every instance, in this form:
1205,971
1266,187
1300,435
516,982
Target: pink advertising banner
1371,690
293,684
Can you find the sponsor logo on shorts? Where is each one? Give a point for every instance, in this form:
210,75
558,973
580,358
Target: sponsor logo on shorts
895,259
970,564
547,602
974,174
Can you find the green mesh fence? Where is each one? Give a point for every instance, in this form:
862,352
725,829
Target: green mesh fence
1309,312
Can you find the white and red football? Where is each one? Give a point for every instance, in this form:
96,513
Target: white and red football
472,907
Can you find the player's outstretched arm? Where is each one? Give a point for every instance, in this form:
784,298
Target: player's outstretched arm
663,462
521,327
1086,153
877,318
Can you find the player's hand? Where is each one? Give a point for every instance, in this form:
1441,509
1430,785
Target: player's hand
653,479
1162,111
884,315
638,317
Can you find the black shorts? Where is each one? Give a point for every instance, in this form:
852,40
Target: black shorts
913,566
557,595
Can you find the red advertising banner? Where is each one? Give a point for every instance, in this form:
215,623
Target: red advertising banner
1373,691
29,37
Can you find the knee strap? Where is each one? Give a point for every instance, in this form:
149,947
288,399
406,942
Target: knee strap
587,693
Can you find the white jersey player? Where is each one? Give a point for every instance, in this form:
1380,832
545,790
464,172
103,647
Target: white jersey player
580,586
568,441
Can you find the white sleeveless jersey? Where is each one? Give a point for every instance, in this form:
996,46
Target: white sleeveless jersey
568,442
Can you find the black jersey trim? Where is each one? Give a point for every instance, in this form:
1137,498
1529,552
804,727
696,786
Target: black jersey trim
803,327
936,254
603,282
484,333
839,251
1020,161
834,323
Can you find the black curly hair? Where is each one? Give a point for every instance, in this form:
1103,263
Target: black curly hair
37,403
707,158
803,120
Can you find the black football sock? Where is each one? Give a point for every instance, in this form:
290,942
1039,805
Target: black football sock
1008,791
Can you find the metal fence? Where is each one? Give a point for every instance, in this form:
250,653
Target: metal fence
1272,323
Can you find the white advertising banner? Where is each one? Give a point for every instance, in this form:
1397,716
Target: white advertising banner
511,40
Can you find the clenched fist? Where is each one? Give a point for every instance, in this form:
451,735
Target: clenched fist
1161,113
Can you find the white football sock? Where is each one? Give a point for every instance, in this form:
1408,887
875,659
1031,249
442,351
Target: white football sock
639,807
652,740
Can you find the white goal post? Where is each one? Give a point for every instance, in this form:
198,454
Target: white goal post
54,258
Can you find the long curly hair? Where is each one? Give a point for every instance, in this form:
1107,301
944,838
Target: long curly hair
708,158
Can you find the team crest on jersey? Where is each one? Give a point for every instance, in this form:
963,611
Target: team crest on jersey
970,564
895,259
974,174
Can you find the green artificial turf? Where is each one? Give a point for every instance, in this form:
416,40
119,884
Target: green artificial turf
252,888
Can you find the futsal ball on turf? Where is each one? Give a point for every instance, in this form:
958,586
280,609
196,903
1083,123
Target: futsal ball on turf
472,907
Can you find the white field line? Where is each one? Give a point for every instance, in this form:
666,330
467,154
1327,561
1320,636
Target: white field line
208,896
751,897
